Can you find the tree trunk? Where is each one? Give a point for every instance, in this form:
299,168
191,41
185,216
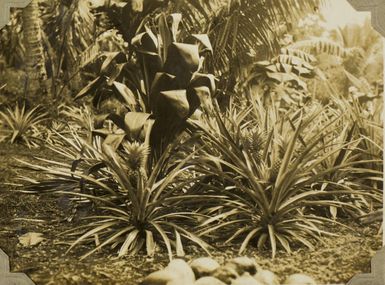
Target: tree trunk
34,52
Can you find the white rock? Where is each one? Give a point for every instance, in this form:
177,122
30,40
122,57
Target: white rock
266,277
182,269
204,266
177,272
300,279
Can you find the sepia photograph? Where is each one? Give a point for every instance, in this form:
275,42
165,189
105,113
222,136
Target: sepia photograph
190,142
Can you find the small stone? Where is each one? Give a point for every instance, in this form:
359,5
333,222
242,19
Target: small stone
204,266
300,279
226,274
209,280
243,264
266,277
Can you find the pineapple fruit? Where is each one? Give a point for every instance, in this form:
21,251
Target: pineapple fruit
136,156
254,142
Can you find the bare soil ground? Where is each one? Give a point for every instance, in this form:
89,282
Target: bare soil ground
335,261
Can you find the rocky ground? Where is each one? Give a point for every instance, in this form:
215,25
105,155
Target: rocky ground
335,261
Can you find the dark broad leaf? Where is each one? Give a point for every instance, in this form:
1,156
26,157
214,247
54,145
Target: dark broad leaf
134,123
96,100
199,96
126,93
200,79
118,121
174,102
146,43
152,64
162,82
113,140
111,58
182,61
117,69
203,40
91,87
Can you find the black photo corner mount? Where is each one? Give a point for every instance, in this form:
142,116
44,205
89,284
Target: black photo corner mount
377,274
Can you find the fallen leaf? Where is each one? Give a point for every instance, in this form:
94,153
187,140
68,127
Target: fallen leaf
31,238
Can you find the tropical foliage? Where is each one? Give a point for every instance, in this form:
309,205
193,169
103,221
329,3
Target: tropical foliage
203,122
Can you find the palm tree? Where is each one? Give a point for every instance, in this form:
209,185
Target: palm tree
34,52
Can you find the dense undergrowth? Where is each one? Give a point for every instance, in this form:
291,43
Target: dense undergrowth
159,155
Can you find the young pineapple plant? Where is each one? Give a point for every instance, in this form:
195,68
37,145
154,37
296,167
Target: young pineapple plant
20,123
